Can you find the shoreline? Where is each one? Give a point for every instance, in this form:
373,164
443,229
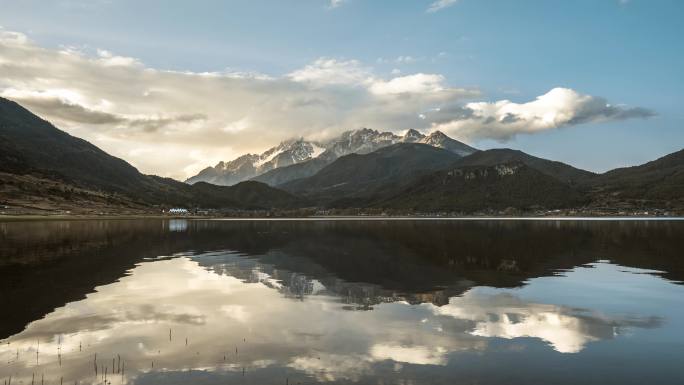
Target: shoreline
464,218
32,217
27,218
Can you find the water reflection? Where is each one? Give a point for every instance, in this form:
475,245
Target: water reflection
567,330
252,303
178,225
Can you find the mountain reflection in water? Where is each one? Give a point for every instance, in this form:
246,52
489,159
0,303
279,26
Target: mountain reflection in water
208,302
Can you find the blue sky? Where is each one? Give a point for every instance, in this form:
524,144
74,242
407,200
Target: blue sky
626,52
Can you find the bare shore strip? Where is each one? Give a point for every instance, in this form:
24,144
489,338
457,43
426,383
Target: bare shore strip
75,217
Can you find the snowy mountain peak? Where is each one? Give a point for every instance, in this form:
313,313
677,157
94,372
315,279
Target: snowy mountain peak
441,140
437,136
247,166
286,153
299,150
412,136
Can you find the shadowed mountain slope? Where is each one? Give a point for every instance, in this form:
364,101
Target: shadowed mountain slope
561,171
661,179
32,146
362,175
473,188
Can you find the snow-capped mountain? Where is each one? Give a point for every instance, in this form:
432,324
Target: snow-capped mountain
287,153
412,136
439,139
250,165
362,141
264,167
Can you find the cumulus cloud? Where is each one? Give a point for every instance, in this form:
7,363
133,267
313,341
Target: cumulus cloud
12,38
502,120
109,59
336,3
326,71
441,4
176,123
405,59
416,83
330,72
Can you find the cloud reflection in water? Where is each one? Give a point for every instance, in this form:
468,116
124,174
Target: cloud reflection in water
183,313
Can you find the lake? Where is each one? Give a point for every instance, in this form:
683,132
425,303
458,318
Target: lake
342,302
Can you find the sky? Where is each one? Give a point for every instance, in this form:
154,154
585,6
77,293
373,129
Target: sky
175,86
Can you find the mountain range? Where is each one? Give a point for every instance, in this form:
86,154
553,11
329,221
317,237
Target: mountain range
294,159
45,169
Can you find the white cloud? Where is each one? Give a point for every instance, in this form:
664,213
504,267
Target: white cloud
416,83
326,71
502,120
405,59
109,59
237,126
441,4
84,4
336,3
12,38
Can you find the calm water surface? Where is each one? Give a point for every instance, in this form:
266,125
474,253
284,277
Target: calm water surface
337,302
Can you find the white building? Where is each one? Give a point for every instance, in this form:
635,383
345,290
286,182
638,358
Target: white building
178,211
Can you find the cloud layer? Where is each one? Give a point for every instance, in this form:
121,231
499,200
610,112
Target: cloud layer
441,4
176,123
